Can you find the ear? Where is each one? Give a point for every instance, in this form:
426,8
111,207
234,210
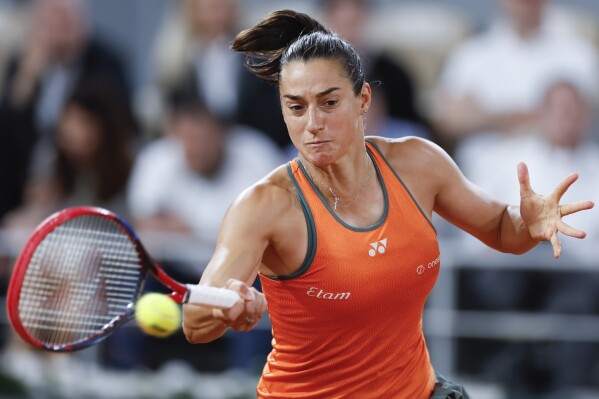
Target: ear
365,98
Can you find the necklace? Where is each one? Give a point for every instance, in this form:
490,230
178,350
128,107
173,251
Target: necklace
336,199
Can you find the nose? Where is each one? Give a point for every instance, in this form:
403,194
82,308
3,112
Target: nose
315,121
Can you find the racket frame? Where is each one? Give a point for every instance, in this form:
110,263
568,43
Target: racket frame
179,293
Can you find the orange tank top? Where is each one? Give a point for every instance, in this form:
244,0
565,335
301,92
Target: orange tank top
348,323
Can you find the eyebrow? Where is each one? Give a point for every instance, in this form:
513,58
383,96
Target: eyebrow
322,93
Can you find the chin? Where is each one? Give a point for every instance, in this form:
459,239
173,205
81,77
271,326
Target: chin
321,160
320,156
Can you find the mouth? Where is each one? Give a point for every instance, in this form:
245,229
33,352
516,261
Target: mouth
317,143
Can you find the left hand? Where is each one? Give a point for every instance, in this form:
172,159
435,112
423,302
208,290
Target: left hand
247,312
543,215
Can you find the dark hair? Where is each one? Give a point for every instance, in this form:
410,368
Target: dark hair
113,162
285,36
184,101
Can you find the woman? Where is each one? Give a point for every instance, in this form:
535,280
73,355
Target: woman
341,237
90,162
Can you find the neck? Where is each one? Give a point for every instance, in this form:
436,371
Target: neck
342,183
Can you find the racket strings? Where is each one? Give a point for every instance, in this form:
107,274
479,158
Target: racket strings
82,277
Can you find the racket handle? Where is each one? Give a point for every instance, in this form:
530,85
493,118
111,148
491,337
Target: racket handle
212,296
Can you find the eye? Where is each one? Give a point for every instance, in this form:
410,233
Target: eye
296,107
330,103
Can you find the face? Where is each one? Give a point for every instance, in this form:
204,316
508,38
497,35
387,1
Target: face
202,139
524,12
79,135
565,117
60,25
212,18
322,113
347,18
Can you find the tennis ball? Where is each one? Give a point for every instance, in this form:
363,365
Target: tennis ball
157,315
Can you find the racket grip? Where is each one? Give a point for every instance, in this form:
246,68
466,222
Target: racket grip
211,296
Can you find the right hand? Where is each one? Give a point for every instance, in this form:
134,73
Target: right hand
247,312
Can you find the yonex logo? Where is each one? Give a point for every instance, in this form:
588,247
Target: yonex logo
379,246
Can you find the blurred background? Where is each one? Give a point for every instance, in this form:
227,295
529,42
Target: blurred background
140,107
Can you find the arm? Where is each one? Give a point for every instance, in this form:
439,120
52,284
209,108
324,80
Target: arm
506,228
465,205
244,236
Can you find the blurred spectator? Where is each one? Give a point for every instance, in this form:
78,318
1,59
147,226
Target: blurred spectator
88,165
57,55
11,34
380,123
192,51
193,47
182,185
397,111
185,181
495,81
558,145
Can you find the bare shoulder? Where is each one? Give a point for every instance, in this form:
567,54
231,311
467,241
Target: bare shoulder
266,200
266,224
423,166
410,151
275,188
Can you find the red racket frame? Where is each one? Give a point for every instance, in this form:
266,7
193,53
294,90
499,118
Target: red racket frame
179,293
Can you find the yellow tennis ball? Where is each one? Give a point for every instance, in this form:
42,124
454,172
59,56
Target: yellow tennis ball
157,315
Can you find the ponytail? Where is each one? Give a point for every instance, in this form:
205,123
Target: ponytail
286,35
265,43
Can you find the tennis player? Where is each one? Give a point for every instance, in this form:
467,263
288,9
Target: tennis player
341,237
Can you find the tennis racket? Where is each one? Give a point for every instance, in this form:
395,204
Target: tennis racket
78,277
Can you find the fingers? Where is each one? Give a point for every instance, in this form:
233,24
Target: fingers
564,186
228,316
569,230
253,312
241,288
569,209
524,179
247,312
219,314
556,244
257,305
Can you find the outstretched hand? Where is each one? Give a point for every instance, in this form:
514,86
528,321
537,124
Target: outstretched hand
542,215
